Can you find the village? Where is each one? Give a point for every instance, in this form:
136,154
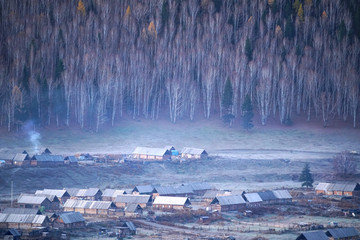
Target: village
185,208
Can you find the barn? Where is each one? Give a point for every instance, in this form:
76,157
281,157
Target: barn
90,207
228,203
193,153
171,203
283,196
144,201
252,199
338,189
21,159
151,154
47,160
133,210
69,220
268,197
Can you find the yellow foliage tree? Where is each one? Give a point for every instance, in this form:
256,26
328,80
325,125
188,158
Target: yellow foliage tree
300,13
152,29
128,11
81,7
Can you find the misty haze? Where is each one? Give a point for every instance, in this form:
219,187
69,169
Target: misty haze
191,119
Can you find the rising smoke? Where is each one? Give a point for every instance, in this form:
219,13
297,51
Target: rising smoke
34,136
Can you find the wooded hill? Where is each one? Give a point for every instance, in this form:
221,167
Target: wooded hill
89,62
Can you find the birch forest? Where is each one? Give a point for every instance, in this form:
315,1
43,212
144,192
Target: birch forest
91,63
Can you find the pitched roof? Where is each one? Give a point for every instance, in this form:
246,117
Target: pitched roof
48,158
198,186
72,191
143,189
173,190
213,193
282,194
22,218
323,186
151,151
132,207
253,197
21,211
90,192
73,203
32,199
7,156
112,192
139,199
71,159
13,232
57,192
339,233
229,200
340,186
318,235
267,196
71,217
21,157
177,201
194,151
130,225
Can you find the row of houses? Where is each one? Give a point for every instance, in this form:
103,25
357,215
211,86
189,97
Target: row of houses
167,152
350,189
331,234
44,159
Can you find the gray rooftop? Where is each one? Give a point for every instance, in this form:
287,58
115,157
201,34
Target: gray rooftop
318,235
342,233
73,203
71,217
150,151
48,158
193,151
32,199
143,189
22,218
136,199
21,211
229,200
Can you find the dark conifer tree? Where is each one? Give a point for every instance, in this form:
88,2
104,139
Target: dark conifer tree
248,114
306,176
227,102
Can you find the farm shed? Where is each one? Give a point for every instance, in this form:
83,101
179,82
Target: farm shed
12,234
61,194
47,160
151,154
69,220
21,159
31,211
343,233
23,221
252,199
268,197
111,194
283,196
193,153
339,189
228,203
318,235
199,188
133,210
93,194
209,195
34,201
175,191
143,190
127,228
168,203
71,160
90,207
122,201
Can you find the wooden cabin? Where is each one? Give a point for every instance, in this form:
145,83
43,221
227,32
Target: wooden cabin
102,208
193,153
228,203
61,194
144,201
165,203
111,194
252,200
143,190
69,220
133,210
318,235
21,159
151,154
268,197
93,194
338,189
35,201
283,196
23,221
47,160
8,158
343,233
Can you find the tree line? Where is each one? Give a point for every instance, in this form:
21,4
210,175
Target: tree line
90,62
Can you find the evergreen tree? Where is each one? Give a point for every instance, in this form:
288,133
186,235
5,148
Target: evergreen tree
248,114
306,176
227,102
